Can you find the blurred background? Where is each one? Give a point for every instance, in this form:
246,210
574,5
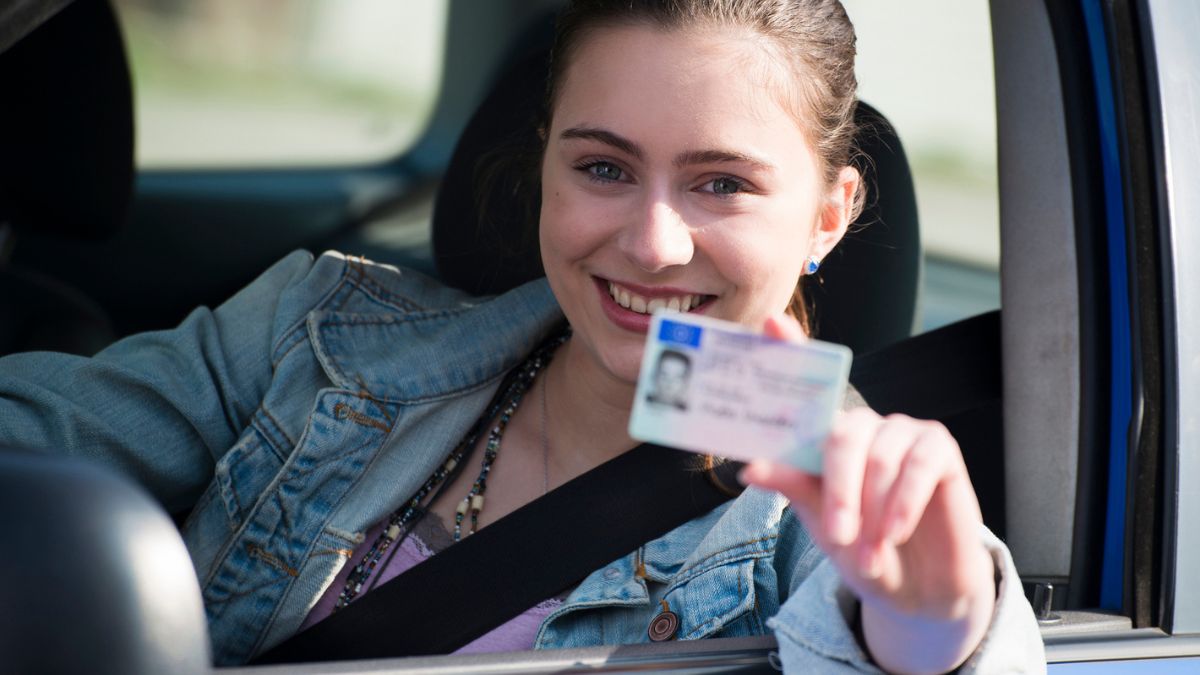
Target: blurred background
285,83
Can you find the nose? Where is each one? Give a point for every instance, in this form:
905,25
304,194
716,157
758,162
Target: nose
658,239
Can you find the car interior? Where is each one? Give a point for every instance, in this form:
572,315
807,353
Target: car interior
92,248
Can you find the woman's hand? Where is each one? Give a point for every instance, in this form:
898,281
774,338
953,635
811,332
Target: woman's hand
895,511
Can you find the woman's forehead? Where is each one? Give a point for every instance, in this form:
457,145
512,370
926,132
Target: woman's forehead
721,83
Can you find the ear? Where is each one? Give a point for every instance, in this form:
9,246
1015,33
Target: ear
836,213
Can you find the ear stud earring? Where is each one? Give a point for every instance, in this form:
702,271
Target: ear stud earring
812,265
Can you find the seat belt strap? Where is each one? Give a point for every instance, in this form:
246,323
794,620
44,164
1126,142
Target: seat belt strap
536,552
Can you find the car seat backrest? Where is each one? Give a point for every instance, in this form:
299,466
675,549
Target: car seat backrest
66,138
66,125
485,240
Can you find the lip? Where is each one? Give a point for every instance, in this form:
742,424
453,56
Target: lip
634,321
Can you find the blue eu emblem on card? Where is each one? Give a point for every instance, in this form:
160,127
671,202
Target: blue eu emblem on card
679,333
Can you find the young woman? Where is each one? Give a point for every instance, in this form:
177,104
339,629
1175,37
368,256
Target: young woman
696,156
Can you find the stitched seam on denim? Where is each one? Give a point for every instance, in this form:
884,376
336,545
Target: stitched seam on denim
223,556
805,643
266,627
295,340
341,411
270,623
453,393
256,551
377,319
354,278
722,620
274,436
366,395
343,552
569,608
724,557
390,298
348,537
299,323
232,492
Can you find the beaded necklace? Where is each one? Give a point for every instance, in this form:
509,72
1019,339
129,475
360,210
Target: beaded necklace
470,506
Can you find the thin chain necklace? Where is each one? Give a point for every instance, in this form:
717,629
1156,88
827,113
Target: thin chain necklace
401,520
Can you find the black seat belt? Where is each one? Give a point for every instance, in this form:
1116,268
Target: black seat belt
534,553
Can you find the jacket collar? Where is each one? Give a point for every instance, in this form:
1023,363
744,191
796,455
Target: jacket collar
732,531
388,355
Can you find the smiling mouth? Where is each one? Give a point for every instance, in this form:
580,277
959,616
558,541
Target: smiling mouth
643,305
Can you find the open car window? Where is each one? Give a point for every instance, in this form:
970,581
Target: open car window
325,124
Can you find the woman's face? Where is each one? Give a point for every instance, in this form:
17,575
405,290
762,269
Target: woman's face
675,174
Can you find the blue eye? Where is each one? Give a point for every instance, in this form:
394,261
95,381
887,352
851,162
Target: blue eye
604,171
727,185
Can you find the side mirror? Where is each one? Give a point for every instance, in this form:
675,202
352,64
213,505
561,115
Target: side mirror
93,574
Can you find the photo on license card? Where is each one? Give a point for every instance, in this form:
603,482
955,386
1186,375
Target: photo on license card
714,387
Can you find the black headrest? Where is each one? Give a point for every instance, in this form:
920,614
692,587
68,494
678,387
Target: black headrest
484,227
66,125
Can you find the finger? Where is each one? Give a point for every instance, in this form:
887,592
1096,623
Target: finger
842,477
783,327
928,461
892,441
801,488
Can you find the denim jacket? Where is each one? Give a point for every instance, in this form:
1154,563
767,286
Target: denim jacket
307,407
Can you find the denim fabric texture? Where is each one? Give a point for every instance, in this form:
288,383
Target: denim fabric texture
306,408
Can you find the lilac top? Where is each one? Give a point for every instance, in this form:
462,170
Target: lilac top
431,537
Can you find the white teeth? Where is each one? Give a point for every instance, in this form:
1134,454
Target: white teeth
641,305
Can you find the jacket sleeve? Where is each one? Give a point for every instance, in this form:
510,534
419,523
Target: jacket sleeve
813,626
163,406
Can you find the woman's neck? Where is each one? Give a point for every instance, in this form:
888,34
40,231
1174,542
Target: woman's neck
587,411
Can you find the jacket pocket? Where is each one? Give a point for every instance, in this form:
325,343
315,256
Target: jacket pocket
243,473
719,602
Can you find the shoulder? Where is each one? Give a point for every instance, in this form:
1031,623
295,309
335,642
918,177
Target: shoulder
340,282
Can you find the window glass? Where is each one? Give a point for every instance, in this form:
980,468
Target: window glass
927,66
280,82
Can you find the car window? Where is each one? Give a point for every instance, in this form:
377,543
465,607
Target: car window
927,65
291,82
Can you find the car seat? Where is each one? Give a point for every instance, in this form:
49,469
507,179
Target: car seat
66,135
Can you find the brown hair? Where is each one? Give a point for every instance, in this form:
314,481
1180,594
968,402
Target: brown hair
814,37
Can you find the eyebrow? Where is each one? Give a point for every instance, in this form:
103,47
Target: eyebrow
604,136
720,156
685,158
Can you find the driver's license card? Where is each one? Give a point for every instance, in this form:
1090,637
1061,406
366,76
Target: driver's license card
713,386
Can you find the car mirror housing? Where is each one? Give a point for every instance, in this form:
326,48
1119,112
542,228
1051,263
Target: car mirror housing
97,578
